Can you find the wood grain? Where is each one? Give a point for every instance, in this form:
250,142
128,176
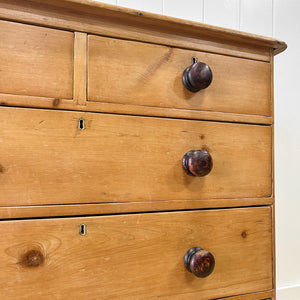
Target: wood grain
17,212
98,18
273,181
36,61
44,102
46,159
121,164
135,73
80,67
267,295
121,256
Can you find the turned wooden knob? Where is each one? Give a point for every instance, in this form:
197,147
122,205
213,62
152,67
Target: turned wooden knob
197,163
199,262
197,77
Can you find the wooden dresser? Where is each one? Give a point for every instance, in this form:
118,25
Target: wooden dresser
136,156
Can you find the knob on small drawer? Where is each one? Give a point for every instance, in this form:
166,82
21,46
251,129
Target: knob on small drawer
199,262
197,77
197,163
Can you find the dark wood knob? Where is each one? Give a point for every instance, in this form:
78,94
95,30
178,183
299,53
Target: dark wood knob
197,77
197,163
199,262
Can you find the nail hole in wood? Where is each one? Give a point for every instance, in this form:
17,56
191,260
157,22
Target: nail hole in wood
82,229
244,234
81,124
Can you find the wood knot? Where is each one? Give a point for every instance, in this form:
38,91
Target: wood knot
56,102
32,259
1,169
202,136
244,234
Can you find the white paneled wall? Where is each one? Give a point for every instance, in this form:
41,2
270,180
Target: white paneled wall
227,13
254,16
278,18
187,9
108,1
257,16
287,141
154,6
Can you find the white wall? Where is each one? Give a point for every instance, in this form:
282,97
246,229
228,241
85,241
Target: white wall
287,147
278,18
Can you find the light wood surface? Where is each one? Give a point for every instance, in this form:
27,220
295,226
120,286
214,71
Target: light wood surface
129,72
136,256
80,67
119,71
108,20
17,212
63,104
255,296
56,91
36,61
46,159
273,182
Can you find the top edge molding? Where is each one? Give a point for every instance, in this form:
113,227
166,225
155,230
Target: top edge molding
131,18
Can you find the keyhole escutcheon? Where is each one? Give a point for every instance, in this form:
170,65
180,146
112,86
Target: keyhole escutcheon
82,229
81,125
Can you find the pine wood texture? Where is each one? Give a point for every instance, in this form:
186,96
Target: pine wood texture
47,159
56,91
136,256
108,20
80,67
254,296
94,201
135,73
63,104
36,61
90,209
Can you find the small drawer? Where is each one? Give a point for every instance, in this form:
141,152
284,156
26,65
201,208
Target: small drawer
36,61
55,157
138,256
136,73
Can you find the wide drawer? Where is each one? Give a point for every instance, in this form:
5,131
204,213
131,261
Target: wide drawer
136,73
138,256
36,61
46,158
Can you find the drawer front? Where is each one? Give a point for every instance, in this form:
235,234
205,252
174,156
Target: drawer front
36,61
137,73
136,256
255,296
46,158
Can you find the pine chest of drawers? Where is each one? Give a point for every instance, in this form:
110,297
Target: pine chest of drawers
136,156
